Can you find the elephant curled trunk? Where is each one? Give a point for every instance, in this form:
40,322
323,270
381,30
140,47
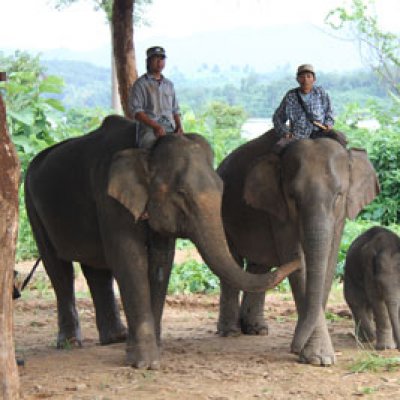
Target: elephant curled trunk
210,240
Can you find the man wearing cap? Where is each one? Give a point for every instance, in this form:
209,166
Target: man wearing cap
307,108
153,101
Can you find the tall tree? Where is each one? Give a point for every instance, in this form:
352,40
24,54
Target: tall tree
123,60
379,49
9,178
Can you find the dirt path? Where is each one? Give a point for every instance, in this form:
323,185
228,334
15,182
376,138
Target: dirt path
196,363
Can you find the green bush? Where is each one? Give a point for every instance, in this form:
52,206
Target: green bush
192,277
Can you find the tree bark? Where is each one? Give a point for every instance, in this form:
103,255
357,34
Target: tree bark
9,179
124,51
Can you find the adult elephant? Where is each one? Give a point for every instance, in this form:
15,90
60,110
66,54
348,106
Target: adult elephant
276,208
86,199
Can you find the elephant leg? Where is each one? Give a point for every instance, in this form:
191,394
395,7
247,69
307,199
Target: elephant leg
362,312
108,320
126,255
161,256
228,321
61,275
384,333
319,349
252,321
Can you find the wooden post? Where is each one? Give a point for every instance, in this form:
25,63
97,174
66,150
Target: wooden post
9,179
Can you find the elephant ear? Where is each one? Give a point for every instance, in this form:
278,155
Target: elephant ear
262,187
128,180
364,184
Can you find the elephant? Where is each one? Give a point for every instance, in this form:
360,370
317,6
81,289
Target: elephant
372,286
279,206
87,200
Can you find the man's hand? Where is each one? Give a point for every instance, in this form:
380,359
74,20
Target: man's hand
179,130
288,135
159,131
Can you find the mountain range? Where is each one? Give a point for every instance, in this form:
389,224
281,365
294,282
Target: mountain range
262,49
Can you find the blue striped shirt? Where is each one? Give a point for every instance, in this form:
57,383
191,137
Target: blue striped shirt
318,105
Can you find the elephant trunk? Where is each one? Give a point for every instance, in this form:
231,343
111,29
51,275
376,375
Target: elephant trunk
316,239
393,309
209,238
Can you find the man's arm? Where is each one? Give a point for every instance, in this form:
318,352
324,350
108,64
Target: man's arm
178,124
142,117
329,120
279,120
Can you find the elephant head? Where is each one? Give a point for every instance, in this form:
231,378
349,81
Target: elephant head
177,186
313,187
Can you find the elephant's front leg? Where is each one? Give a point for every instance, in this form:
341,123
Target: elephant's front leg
319,349
161,256
252,321
142,348
229,308
126,254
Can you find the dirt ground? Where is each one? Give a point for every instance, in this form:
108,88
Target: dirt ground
196,363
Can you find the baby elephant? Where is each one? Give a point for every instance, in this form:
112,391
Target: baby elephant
372,286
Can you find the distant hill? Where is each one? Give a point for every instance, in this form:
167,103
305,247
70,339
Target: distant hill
262,49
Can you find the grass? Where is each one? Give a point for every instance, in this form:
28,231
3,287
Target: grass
371,361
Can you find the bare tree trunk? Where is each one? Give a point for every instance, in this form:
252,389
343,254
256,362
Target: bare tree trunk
115,101
124,51
9,179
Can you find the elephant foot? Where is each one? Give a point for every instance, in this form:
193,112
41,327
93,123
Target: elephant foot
256,328
138,358
68,343
318,350
225,330
385,346
114,336
364,335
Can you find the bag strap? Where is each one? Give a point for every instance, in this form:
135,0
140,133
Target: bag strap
303,106
308,114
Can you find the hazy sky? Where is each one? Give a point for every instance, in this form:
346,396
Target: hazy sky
33,24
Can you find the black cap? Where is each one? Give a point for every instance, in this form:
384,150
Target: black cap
156,51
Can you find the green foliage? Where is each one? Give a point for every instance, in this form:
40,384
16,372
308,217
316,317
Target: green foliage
220,124
37,119
383,147
192,277
373,362
379,48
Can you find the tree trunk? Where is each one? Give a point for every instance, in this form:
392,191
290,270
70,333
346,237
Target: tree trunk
9,179
124,51
115,101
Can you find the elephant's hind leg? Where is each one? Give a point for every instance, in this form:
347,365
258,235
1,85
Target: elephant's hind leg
61,275
108,320
252,321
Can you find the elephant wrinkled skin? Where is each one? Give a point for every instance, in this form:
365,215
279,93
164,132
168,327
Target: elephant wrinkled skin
277,208
372,286
85,198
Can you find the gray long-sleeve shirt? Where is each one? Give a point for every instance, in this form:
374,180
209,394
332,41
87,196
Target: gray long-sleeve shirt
155,98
